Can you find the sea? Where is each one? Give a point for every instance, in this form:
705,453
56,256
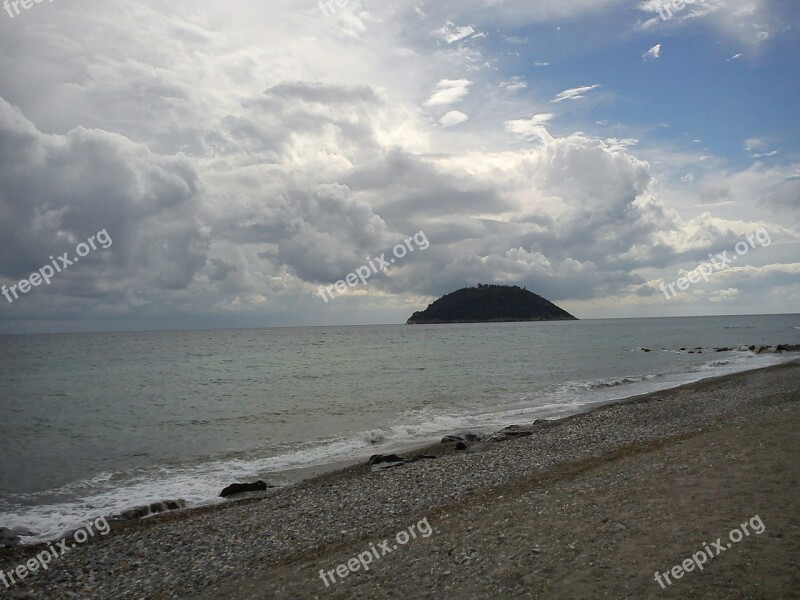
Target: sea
94,424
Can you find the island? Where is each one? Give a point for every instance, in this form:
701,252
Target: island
490,304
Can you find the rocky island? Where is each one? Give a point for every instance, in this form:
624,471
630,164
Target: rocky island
490,304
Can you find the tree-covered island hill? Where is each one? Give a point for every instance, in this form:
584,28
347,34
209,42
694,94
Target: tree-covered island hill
490,304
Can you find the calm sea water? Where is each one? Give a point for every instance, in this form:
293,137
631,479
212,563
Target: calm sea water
93,424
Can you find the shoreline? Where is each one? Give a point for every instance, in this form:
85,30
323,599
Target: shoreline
582,396
270,541
357,467
297,475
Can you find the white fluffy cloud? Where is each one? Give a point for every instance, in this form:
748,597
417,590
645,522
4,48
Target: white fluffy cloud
530,128
575,93
449,91
453,118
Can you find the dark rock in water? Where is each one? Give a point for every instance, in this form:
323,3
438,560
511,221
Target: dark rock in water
723,349
645,349
751,348
242,488
8,538
377,459
690,352
682,350
462,437
788,348
140,512
134,513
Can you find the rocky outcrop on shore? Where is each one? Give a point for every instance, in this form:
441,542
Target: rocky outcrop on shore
380,462
755,349
242,488
139,512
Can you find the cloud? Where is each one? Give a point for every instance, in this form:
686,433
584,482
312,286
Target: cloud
514,84
60,189
236,172
449,91
723,295
453,118
575,93
653,53
754,144
750,22
530,128
451,33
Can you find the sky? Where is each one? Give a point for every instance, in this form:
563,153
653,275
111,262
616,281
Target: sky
218,164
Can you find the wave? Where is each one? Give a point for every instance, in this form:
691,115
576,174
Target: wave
51,514
599,384
713,364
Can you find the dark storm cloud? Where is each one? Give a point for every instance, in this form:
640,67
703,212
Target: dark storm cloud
59,190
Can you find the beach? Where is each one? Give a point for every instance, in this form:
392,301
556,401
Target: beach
589,506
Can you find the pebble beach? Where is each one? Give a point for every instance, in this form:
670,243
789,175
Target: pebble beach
588,506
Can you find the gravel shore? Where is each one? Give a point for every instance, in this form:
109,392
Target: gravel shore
585,507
